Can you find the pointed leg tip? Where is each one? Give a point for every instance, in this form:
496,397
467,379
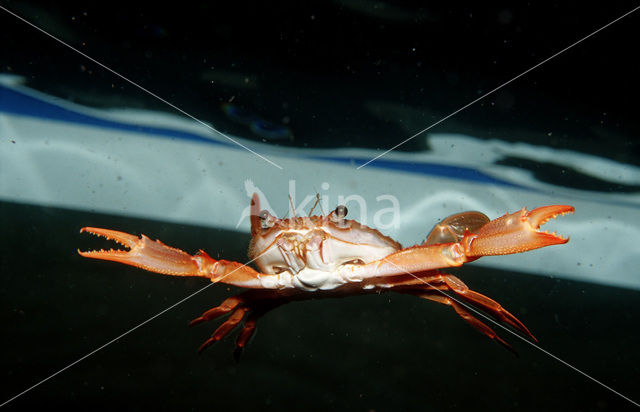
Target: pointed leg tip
237,353
507,346
206,344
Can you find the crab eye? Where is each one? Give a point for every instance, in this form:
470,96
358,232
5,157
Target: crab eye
266,218
341,211
338,215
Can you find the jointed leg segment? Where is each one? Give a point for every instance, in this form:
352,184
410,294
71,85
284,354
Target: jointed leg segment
449,290
253,303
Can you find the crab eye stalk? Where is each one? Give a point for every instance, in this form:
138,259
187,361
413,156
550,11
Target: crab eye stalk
266,219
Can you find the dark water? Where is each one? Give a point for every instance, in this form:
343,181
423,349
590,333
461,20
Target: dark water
323,70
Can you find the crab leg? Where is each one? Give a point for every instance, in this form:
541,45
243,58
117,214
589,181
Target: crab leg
225,307
155,256
226,327
248,329
472,320
256,303
437,281
485,303
430,287
512,233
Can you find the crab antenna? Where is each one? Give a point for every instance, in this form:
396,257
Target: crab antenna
293,208
316,204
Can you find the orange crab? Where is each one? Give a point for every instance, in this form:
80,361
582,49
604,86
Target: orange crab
330,256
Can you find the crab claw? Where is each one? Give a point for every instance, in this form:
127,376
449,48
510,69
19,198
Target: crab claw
144,253
517,232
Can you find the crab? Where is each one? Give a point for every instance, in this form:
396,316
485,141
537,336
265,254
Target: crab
309,257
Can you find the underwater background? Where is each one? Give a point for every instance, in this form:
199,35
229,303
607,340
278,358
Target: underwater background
350,78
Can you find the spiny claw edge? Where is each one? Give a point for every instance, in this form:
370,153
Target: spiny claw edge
124,239
541,215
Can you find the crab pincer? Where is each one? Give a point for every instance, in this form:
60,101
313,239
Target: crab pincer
517,232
